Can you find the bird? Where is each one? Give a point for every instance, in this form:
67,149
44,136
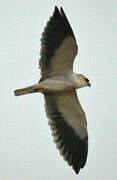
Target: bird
58,84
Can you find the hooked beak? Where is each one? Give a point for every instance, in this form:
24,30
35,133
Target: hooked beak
89,84
27,90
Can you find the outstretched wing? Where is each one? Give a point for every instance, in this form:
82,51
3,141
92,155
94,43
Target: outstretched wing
69,127
58,46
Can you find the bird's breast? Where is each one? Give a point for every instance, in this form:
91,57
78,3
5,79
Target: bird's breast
58,83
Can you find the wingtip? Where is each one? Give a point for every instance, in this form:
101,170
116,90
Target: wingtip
56,8
61,9
77,171
56,11
62,12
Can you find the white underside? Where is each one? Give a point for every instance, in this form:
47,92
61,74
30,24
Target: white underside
73,113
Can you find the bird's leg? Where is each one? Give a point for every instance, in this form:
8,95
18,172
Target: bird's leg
40,88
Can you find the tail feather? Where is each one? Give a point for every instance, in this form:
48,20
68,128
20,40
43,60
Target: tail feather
27,90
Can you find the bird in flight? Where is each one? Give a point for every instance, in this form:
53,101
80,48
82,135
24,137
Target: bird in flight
58,84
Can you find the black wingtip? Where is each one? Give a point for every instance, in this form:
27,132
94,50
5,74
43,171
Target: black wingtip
62,12
56,9
61,9
56,12
77,171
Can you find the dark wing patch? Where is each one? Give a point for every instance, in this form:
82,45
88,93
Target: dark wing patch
72,148
56,31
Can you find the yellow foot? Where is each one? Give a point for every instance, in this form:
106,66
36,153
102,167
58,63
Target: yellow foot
40,88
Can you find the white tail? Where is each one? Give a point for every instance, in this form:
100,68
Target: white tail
27,90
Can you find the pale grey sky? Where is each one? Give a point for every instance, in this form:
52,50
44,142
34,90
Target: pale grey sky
27,151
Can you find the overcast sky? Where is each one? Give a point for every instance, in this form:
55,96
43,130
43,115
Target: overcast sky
27,151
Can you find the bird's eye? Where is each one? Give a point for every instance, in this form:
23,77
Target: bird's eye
86,80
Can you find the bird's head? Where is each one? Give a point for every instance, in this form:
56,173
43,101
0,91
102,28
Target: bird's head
82,81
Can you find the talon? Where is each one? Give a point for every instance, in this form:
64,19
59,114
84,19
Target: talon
40,89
